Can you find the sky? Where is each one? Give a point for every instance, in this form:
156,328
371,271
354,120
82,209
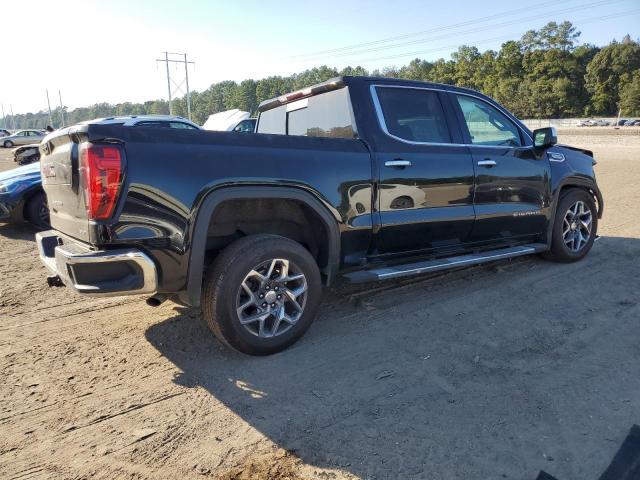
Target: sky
106,51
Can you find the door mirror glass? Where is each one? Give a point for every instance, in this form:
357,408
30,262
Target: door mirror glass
545,137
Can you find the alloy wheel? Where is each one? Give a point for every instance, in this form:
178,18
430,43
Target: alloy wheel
576,226
271,298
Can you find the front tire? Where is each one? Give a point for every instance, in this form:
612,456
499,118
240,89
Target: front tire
261,294
8,144
37,211
575,226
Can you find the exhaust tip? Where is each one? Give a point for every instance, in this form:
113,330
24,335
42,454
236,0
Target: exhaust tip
156,300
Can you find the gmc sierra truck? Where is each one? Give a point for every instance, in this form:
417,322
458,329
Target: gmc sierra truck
367,178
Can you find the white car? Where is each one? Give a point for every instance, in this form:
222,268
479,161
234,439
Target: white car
230,121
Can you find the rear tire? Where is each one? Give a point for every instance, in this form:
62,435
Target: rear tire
575,226
37,211
261,294
8,144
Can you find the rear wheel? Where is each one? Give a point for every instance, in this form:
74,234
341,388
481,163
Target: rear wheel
575,226
261,294
37,211
8,144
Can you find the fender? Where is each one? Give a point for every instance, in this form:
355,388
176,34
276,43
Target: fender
583,182
207,209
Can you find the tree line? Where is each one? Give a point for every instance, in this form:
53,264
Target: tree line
545,74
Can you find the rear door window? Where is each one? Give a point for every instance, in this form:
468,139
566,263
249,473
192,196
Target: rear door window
413,114
487,125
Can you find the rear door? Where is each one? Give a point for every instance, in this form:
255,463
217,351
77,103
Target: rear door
425,199
512,187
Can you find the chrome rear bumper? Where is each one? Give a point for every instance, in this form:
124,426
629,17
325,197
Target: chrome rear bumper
126,271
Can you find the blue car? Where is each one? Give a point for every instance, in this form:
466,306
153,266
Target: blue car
22,198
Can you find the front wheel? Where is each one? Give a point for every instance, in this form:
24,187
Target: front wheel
261,294
575,226
8,144
37,211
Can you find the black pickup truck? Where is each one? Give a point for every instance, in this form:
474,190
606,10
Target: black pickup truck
369,178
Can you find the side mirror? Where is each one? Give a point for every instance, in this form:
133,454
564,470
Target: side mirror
545,137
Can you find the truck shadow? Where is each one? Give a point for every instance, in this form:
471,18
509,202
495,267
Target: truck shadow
18,231
483,373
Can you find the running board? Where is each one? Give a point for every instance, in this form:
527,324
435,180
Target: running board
406,270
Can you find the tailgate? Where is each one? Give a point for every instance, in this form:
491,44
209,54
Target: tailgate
59,165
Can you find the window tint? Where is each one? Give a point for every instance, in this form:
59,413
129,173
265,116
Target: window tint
414,114
246,126
152,123
181,125
487,125
324,115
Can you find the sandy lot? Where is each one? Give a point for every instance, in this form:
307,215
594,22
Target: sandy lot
485,373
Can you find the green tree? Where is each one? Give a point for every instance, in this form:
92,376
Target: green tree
630,96
607,72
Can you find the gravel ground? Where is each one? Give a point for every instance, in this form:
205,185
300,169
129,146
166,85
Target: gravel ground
490,372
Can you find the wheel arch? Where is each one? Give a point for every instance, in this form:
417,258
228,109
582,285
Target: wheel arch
587,184
206,213
27,196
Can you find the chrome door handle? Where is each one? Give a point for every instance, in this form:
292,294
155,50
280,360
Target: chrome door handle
397,163
487,163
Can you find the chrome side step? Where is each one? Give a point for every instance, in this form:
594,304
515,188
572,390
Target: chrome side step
398,271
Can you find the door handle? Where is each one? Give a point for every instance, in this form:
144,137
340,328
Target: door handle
487,163
397,163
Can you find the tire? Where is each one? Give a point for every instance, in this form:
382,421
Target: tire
7,144
569,226
237,285
37,211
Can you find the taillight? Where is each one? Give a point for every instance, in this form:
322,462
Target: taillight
101,170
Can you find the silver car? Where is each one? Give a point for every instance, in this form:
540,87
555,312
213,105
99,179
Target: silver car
22,137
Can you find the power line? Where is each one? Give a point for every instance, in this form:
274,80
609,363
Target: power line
422,32
489,40
466,32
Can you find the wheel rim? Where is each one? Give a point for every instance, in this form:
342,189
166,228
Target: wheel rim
43,213
271,298
576,226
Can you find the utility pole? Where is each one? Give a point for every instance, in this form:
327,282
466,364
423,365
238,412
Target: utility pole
49,107
178,87
4,118
61,108
13,118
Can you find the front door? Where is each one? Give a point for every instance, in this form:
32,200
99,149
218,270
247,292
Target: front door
425,189
512,181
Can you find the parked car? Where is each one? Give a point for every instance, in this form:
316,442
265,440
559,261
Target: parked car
26,154
22,137
368,178
230,121
157,121
4,133
621,122
631,123
22,198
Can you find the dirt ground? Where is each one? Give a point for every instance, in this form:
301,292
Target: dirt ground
493,372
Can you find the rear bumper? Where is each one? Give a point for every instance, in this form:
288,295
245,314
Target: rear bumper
97,272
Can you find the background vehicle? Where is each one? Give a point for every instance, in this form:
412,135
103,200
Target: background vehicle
631,123
22,137
158,121
26,154
253,225
22,197
230,121
4,133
